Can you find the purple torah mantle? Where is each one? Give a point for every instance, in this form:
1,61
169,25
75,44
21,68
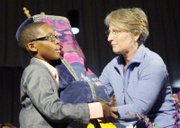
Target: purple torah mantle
78,83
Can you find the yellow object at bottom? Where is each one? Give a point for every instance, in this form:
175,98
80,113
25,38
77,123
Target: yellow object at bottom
103,125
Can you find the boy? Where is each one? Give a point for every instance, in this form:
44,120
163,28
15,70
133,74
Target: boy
41,105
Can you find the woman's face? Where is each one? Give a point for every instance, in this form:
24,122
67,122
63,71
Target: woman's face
121,41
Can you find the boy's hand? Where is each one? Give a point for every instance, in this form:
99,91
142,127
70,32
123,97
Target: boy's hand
114,114
113,101
109,112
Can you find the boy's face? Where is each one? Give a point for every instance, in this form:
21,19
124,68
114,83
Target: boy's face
46,46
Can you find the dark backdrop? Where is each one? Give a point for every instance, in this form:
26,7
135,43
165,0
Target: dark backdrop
164,19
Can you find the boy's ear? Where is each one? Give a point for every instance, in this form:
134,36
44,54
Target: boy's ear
31,47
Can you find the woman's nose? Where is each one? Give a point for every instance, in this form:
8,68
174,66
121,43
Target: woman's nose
109,38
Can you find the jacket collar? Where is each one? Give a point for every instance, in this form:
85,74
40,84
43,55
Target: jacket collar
137,59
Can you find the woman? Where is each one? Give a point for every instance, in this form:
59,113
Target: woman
137,76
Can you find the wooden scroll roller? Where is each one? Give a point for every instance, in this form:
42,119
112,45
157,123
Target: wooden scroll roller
27,13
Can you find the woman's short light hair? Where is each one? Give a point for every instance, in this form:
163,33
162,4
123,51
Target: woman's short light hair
130,19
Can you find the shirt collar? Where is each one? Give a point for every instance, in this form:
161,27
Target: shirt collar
50,67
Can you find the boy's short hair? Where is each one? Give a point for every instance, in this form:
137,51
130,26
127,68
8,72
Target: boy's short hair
28,33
